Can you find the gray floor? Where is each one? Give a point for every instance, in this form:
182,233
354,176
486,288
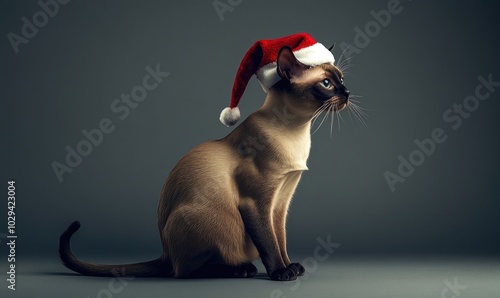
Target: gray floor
338,277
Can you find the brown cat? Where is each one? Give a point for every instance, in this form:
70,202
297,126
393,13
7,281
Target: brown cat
225,202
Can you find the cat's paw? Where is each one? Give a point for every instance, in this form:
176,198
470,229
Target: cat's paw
283,274
297,268
250,269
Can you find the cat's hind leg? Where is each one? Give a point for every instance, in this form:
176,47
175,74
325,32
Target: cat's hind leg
208,243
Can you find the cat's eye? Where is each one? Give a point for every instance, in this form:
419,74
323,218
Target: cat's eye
326,83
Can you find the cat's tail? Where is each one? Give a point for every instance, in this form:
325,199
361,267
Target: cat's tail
156,267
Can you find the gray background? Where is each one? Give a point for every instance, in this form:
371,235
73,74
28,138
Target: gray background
427,59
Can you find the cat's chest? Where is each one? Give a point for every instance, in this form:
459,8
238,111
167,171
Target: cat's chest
293,152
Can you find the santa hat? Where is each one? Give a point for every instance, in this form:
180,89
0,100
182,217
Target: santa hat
260,60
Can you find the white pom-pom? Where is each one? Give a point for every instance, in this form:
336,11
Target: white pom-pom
229,116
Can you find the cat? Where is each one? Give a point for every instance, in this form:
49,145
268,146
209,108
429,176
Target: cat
225,202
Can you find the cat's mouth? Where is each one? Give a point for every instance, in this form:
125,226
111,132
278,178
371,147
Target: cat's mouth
340,103
338,108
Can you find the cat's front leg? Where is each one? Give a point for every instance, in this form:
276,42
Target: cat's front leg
258,224
279,219
280,211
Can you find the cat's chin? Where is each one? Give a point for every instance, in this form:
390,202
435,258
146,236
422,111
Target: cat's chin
340,107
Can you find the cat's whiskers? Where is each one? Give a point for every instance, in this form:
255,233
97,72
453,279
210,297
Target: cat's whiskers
350,115
320,110
332,108
321,123
332,121
327,106
342,55
358,112
344,65
339,118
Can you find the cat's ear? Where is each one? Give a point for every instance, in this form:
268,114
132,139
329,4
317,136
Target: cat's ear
288,66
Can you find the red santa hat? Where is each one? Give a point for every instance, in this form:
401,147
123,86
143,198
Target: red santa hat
260,60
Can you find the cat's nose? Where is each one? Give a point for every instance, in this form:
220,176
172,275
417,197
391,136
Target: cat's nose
346,94
342,90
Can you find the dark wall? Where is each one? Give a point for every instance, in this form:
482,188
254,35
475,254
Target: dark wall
410,71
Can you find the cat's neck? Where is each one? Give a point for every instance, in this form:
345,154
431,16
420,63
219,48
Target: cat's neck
282,116
277,137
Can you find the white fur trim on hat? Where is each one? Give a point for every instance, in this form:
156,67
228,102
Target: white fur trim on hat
314,55
311,56
268,76
229,116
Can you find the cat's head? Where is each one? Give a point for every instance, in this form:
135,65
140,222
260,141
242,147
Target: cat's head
311,89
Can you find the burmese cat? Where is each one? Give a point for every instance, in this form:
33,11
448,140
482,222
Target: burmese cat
225,202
